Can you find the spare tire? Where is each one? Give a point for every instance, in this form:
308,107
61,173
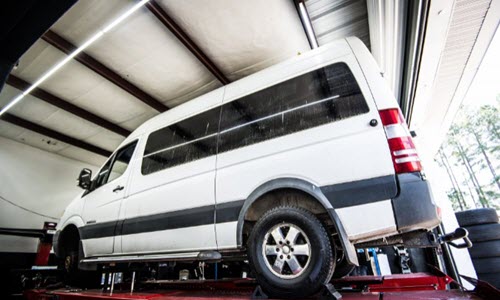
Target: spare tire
485,249
484,232
477,216
487,265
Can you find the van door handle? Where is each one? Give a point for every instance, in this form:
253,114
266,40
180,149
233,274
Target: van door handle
118,188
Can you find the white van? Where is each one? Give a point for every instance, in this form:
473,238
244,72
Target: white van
293,166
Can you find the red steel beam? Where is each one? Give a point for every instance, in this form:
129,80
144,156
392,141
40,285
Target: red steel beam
163,17
53,134
65,46
43,95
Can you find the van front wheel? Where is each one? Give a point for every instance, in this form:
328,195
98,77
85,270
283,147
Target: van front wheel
290,252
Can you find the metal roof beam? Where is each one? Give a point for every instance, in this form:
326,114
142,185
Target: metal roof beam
65,46
43,95
176,30
53,134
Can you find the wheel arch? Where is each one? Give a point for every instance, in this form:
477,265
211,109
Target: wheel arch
302,186
69,237
68,232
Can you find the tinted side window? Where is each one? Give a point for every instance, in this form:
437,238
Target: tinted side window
121,161
102,177
313,99
316,98
115,166
188,140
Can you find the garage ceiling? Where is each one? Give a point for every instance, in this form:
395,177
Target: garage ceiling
142,68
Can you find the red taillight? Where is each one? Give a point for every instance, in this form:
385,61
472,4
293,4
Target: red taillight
391,116
403,152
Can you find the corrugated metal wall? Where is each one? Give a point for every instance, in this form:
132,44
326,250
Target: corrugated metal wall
336,19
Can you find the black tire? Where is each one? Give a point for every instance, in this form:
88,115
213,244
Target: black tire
72,274
484,232
487,265
316,272
491,278
485,249
477,217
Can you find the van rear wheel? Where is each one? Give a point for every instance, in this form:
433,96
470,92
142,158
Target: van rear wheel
290,252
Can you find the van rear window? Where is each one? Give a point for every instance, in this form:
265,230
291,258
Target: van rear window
319,97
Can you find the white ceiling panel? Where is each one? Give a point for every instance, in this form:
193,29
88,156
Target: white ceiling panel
77,84
19,134
138,120
10,131
48,116
86,17
141,50
195,93
105,139
112,103
69,83
37,60
30,108
34,111
241,37
7,94
83,155
71,125
164,68
41,141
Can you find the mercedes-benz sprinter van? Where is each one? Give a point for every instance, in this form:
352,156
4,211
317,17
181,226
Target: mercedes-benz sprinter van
292,166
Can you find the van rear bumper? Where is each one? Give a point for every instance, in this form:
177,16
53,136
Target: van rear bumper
414,207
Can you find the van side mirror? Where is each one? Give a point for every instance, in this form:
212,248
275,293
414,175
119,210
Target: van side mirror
84,179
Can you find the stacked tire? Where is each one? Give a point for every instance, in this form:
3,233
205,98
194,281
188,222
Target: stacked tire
484,232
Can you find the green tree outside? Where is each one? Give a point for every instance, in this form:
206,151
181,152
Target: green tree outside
470,155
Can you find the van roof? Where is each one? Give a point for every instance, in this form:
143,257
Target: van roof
202,103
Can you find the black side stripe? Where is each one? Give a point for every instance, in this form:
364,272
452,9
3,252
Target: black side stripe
228,212
98,230
204,215
171,220
361,191
340,195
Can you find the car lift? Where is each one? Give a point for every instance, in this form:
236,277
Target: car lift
398,286
401,286
45,235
